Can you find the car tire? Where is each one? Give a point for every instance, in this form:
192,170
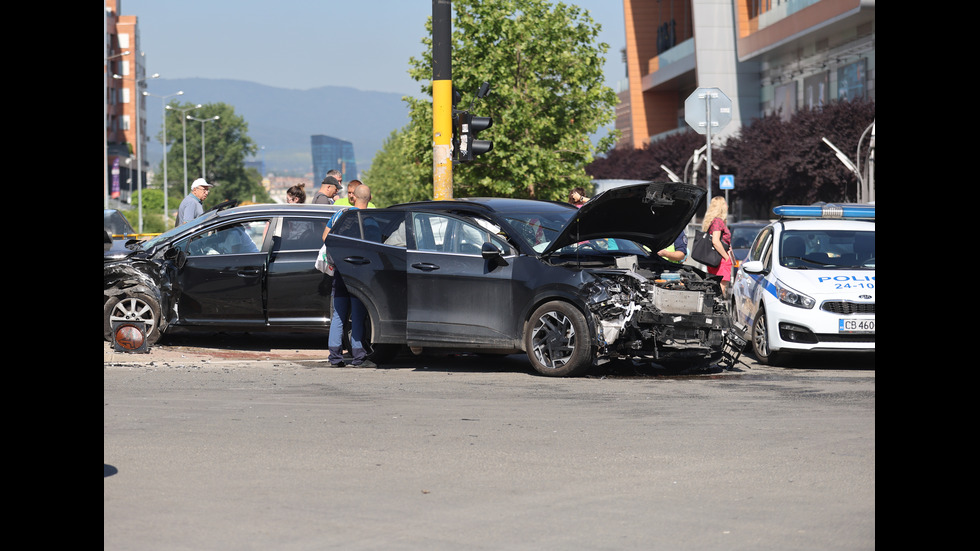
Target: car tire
760,340
556,339
133,307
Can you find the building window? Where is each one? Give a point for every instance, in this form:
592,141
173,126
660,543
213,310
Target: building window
124,40
125,122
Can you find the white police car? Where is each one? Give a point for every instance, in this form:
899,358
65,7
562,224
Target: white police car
808,283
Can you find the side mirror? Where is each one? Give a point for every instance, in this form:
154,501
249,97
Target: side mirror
492,254
177,256
753,267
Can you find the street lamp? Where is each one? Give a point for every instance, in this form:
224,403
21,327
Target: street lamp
183,124
670,174
202,121
163,111
138,83
868,188
847,163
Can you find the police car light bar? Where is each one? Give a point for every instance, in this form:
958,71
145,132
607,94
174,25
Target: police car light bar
854,212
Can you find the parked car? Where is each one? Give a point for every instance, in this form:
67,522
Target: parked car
808,283
573,288
248,268
743,233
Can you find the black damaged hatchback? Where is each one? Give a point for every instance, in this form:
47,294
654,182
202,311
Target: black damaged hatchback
241,269
571,287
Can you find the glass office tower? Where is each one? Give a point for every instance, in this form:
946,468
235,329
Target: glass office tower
332,153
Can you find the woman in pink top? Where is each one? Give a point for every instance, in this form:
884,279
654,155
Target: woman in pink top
721,237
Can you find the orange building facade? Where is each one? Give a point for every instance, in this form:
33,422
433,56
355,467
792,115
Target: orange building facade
768,56
125,111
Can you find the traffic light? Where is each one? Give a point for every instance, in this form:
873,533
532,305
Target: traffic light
466,127
470,127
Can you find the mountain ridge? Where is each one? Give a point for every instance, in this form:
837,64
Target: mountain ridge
281,120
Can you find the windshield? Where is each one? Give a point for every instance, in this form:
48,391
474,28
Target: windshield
850,249
169,234
540,229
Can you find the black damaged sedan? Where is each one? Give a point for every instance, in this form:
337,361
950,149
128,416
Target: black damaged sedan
248,268
573,288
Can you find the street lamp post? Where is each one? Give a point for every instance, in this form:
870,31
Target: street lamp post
867,192
183,125
163,112
202,121
137,84
847,163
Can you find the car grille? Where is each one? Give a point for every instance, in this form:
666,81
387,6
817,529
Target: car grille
847,307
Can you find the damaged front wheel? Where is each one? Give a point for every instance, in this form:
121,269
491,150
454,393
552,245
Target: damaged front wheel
557,340
134,307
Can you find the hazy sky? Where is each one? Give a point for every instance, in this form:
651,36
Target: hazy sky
303,44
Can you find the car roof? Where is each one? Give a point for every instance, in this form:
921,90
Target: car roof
244,211
826,216
827,224
502,205
648,213
280,208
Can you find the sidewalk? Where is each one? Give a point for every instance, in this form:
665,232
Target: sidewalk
216,349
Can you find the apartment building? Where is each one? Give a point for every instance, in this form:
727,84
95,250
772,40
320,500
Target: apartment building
767,56
125,111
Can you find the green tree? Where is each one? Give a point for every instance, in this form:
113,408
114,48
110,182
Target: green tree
674,152
153,221
547,99
777,162
226,146
401,171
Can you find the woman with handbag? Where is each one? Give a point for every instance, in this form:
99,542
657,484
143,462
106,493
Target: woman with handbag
715,225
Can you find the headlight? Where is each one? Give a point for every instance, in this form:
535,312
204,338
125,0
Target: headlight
786,295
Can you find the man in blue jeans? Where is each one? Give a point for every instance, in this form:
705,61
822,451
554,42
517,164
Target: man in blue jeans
345,304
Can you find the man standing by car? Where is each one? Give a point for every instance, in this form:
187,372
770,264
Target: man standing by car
344,303
676,252
193,205
327,194
349,199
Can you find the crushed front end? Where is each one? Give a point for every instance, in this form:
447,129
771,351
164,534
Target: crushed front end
657,316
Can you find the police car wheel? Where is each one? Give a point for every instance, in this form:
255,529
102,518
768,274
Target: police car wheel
760,341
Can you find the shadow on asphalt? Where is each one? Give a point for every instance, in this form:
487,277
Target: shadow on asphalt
489,363
252,342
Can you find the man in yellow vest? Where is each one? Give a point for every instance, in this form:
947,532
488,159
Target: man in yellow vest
677,251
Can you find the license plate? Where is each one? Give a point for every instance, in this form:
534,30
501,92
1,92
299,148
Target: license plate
856,326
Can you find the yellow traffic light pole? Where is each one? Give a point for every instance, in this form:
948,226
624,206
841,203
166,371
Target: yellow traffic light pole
442,106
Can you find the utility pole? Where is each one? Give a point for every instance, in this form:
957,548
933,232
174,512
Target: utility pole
442,100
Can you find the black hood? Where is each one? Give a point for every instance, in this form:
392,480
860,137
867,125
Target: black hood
651,214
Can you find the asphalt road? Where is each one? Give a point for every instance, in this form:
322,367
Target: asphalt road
252,446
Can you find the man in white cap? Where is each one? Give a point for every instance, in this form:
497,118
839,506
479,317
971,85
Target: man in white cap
193,205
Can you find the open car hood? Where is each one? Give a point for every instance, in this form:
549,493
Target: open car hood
651,214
